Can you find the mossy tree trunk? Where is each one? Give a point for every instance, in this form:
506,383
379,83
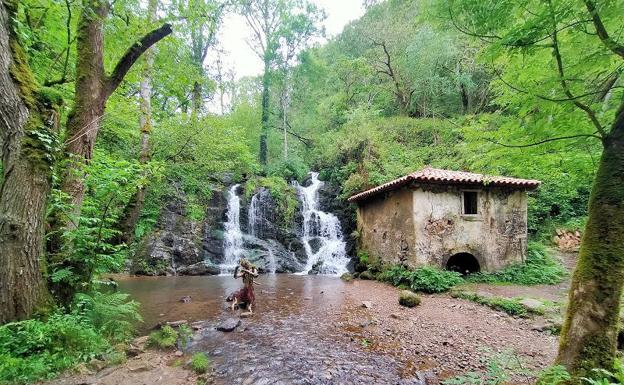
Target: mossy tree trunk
589,334
93,87
28,132
264,129
133,210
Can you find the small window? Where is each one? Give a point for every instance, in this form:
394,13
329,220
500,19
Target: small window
470,202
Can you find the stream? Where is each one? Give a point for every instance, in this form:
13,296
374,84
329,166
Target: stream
294,337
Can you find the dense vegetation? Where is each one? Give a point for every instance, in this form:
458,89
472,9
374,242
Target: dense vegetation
97,145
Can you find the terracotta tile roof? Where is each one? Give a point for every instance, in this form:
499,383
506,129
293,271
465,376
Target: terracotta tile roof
439,176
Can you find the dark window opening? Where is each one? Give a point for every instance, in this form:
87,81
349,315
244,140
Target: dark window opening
470,202
463,263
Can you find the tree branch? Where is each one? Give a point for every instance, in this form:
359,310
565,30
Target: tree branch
543,141
564,84
133,53
613,45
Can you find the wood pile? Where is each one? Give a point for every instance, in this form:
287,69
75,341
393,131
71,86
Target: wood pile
567,240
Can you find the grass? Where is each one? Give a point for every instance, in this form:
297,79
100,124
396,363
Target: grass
200,363
511,306
164,338
539,268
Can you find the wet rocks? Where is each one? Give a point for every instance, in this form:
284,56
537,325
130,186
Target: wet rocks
199,268
229,324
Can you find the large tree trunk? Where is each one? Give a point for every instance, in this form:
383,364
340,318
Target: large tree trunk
92,90
90,97
26,119
264,129
133,210
589,334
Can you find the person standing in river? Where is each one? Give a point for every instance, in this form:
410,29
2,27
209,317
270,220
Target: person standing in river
249,273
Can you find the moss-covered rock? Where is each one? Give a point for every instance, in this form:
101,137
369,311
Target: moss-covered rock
367,275
409,299
347,277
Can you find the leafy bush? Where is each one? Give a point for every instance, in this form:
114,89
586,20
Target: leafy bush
424,279
199,363
36,349
409,299
164,338
539,268
42,348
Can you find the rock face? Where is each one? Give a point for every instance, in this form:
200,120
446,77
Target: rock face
181,246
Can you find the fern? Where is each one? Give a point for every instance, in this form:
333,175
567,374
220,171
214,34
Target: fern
114,315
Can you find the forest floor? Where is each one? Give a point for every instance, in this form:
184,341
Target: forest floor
352,333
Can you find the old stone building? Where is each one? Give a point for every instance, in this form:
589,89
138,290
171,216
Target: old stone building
455,220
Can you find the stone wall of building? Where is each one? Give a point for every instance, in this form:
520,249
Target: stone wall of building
424,225
386,226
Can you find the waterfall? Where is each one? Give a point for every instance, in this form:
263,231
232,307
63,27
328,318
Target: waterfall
233,236
322,235
253,215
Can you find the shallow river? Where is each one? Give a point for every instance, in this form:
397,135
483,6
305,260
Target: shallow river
294,337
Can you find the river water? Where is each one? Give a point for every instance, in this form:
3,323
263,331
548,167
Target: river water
295,336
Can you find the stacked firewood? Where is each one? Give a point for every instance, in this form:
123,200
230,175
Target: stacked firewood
567,240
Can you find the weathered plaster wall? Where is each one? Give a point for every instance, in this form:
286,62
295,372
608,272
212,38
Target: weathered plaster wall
424,225
386,226
496,236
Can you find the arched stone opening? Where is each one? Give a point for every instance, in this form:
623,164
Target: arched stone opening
463,263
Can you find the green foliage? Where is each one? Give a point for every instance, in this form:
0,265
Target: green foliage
200,363
113,315
409,299
164,338
35,349
511,306
608,377
553,375
42,348
186,333
283,193
539,268
424,279
500,369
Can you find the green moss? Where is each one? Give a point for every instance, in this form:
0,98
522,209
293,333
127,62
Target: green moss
511,306
284,195
347,277
200,363
21,73
367,275
409,299
589,334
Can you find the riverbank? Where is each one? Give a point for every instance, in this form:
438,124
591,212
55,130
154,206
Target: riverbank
321,330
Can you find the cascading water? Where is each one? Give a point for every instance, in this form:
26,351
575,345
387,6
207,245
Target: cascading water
233,236
321,230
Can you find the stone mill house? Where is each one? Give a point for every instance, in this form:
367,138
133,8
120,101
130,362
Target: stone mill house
449,219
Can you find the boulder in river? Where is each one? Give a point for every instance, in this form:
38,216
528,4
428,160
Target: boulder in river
229,324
